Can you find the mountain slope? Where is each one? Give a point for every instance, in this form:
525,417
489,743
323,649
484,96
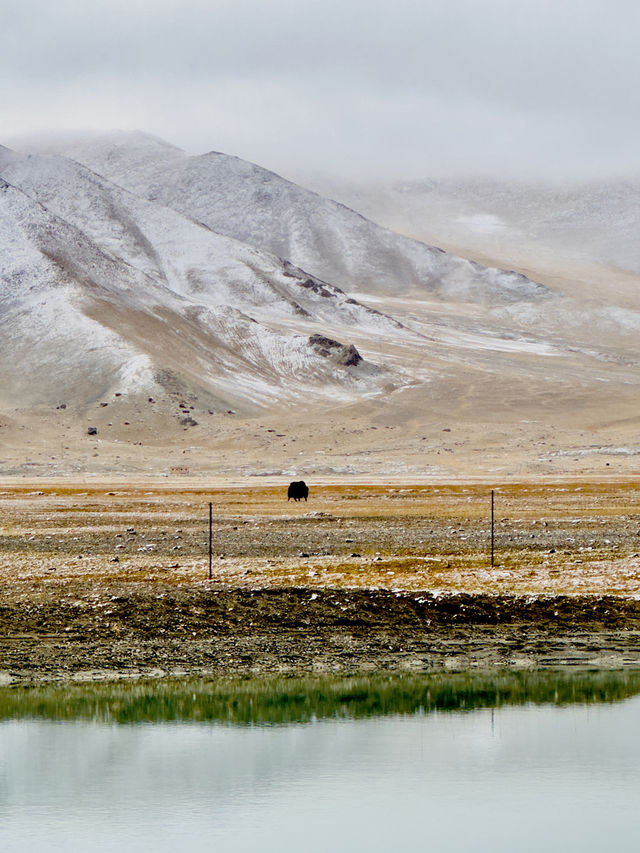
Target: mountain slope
244,201
94,279
531,225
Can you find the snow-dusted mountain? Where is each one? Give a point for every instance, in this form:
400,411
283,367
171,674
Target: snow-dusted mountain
142,263
594,222
145,293
246,202
105,289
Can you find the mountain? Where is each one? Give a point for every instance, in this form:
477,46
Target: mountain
529,224
158,308
117,290
246,202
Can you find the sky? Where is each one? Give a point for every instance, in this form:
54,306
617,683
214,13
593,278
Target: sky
360,89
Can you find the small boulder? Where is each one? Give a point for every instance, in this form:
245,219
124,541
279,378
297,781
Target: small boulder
349,356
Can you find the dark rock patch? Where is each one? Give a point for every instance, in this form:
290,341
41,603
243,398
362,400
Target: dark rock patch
345,355
348,356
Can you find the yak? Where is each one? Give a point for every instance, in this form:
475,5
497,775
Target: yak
298,490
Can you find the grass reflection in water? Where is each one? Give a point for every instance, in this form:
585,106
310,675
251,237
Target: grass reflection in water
280,701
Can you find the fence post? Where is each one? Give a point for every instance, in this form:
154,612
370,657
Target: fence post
492,529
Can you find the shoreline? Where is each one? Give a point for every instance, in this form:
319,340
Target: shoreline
203,631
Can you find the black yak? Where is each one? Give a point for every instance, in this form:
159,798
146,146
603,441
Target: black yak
298,490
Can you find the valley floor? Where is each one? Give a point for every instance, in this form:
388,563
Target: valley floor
112,580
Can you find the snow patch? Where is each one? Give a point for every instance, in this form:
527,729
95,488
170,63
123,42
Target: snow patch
137,374
600,451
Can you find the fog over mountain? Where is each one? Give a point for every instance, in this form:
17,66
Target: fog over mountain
251,204
594,221
148,294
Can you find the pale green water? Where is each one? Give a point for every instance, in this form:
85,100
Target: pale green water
538,762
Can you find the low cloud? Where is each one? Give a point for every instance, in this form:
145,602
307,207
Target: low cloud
387,89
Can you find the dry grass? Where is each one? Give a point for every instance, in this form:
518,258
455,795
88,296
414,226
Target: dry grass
551,539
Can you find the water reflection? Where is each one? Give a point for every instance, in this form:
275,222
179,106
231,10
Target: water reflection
459,762
302,700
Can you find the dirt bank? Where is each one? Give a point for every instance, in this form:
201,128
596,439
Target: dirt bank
132,629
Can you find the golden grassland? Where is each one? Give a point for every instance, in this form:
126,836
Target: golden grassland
557,538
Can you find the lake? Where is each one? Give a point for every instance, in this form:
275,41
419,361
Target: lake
460,762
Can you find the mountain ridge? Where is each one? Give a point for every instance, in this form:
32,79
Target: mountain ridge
257,206
84,260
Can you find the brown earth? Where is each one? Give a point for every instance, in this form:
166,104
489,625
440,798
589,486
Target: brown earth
113,580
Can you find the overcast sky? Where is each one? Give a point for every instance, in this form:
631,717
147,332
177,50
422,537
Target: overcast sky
359,88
